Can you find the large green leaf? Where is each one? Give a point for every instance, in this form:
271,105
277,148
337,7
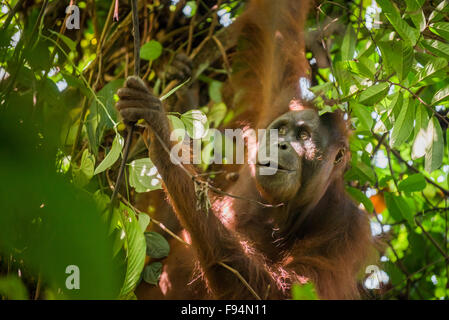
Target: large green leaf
135,252
441,95
436,47
69,42
441,29
398,57
393,15
348,44
421,122
364,116
430,69
102,114
112,156
83,173
398,208
413,183
435,146
143,175
361,68
438,13
374,94
413,5
403,126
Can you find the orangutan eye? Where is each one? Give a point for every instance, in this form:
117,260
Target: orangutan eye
283,130
304,135
340,156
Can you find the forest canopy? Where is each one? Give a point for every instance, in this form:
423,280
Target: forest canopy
383,63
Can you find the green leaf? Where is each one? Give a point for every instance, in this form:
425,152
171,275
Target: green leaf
403,126
413,5
435,146
215,91
398,56
304,292
157,246
436,47
398,208
405,31
437,14
419,144
416,14
144,221
217,114
12,288
441,95
112,156
178,127
360,69
360,197
374,94
364,116
364,172
38,56
151,50
430,69
195,123
135,252
102,114
83,173
322,88
343,76
143,175
447,144
69,42
413,183
74,82
152,273
348,44
441,29
419,20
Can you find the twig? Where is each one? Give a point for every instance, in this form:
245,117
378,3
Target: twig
234,271
130,126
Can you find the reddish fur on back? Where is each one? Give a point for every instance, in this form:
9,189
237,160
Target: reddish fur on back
270,58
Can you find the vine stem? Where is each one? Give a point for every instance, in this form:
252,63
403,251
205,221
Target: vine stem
130,126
